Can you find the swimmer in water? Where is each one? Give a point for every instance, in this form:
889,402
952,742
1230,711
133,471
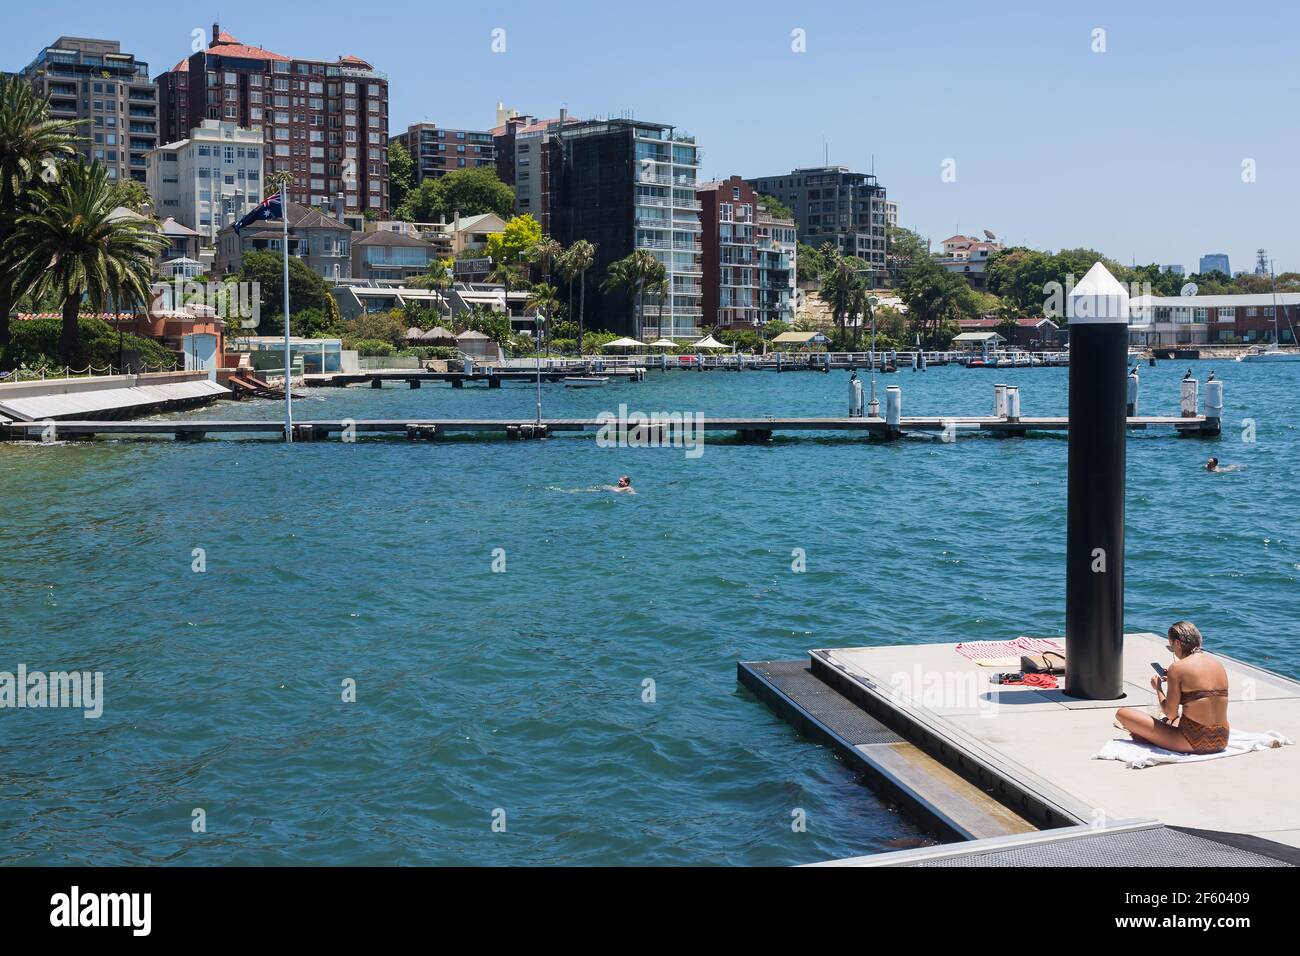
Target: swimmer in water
625,485
1212,465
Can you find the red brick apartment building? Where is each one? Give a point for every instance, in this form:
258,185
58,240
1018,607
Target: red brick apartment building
326,122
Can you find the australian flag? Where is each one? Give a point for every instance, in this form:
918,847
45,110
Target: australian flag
268,208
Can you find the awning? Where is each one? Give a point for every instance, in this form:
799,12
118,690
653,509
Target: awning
798,338
624,343
664,344
709,342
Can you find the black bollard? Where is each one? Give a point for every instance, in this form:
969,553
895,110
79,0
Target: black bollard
1094,545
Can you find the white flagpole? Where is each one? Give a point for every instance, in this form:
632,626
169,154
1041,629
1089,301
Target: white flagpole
288,363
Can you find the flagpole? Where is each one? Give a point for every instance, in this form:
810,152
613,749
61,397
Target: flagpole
288,363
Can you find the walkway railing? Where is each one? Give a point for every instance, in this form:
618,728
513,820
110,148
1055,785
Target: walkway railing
46,373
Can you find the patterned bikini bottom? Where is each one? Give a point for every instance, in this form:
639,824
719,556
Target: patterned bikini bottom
1204,738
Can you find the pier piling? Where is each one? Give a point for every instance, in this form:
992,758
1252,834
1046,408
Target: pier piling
1134,387
1189,388
893,412
1094,546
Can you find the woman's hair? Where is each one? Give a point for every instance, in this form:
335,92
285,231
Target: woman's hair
1186,634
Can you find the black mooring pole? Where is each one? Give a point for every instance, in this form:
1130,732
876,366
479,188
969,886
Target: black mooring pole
1094,542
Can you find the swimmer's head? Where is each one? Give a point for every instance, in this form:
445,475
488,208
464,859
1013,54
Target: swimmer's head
625,482
1212,464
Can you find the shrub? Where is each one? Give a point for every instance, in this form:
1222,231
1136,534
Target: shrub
369,348
35,342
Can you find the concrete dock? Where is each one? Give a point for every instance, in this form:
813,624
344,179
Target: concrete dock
1032,749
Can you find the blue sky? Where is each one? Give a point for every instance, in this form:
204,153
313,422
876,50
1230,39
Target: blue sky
1136,151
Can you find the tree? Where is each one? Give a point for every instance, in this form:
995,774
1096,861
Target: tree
469,192
630,275
574,265
401,174
30,144
843,287
809,263
131,194
307,290
73,246
775,208
903,249
934,299
544,254
544,303
511,245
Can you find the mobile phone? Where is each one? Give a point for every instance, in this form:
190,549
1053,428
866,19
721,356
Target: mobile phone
1159,669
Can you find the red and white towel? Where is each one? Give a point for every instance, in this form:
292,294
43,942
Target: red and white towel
979,651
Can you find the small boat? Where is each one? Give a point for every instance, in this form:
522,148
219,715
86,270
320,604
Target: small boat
585,381
1270,353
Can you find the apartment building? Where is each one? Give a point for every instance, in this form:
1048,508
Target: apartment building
836,205
1206,319
524,161
110,91
748,257
208,180
776,251
629,185
325,123
436,151
323,242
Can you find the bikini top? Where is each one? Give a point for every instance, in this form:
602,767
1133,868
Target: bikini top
1190,695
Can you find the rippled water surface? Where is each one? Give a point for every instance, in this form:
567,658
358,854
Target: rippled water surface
522,691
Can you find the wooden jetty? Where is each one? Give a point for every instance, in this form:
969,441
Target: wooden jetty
976,760
664,432
491,377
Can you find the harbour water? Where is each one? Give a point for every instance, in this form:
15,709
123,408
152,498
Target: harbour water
526,690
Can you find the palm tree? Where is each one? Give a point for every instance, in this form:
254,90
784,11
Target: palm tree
657,284
544,253
630,275
543,299
842,287
73,246
30,142
574,265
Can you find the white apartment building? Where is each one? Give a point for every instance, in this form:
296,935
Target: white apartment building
209,181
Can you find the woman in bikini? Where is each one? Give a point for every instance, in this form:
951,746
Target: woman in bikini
1199,685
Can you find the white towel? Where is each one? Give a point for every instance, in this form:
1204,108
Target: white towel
1137,755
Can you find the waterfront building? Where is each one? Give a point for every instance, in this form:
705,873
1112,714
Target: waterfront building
836,205
323,242
109,91
629,185
1029,333
389,255
1215,262
208,180
968,257
324,122
1206,319
524,160
436,151
747,257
